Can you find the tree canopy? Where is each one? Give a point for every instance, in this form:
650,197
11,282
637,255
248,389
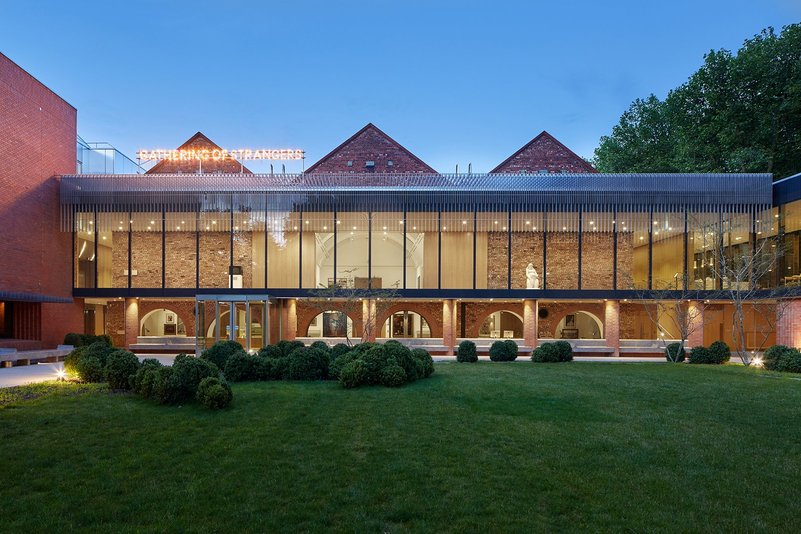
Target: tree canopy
737,113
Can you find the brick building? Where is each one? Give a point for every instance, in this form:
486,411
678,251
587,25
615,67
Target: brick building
371,242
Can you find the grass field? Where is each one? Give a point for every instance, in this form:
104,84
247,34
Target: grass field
477,447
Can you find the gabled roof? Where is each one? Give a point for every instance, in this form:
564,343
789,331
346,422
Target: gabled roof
544,152
370,144
199,141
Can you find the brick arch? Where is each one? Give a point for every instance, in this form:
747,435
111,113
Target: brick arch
477,313
185,310
546,328
434,322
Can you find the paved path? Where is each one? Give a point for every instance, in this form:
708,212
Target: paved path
27,374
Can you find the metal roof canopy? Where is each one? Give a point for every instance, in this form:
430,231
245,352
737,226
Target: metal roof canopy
413,192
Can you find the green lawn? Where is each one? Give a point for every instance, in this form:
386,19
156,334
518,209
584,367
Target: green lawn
477,447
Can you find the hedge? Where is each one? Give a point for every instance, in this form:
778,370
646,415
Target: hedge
466,352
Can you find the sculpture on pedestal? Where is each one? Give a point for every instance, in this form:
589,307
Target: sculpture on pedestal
532,278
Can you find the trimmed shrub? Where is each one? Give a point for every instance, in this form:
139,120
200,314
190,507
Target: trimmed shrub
180,357
339,349
353,374
287,347
545,353
720,352
165,389
73,339
240,367
466,352
71,361
374,361
84,340
187,374
308,364
121,365
393,376
425,363
270,351
790,361
214,393
503,351
701,355
770,360
219,353
99,350
564,350
674,352
142,382
321,345
404,358
335,366
90,369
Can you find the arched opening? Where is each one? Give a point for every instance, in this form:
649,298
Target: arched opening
331,323
500,324
405,324
162,322
579,325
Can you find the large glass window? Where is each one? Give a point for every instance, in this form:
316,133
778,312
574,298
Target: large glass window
562,248
703,238
668,251
215,249
527,250
492,250
791,253
457,250
180,250
248,267
353,251
632,249
422,250
597,250
318,249
283,238
146,250
84,250
388,250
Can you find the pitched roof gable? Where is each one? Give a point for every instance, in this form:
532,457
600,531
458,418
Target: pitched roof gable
370,144
199,142
544,152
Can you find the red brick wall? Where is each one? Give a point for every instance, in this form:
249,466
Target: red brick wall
199,142
370,144
544,152
37,141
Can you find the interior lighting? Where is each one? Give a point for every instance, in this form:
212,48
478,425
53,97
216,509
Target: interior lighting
414,228
213,222
325,228
104,238
152,222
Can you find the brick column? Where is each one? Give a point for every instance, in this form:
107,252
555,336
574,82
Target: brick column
289,319
449,325
368,320
695,320
530,323
131,321
612,325
788,327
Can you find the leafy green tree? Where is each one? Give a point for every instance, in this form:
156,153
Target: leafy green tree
736,113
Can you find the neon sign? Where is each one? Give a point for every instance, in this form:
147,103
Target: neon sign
219,154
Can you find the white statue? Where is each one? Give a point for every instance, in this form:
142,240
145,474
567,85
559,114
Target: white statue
532,278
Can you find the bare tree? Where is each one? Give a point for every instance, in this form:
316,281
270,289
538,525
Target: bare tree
350,301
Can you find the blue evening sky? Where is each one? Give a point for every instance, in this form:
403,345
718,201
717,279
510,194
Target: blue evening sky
456,82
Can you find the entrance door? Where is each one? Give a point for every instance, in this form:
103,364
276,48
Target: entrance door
241,318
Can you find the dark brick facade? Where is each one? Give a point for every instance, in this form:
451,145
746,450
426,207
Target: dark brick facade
544,153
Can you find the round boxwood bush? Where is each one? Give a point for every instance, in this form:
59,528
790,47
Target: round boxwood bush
308,364
214,393
425,363
374,361
321,345
270,351
71,361
401,355
466,352
187,374
720,352
353,374
73,339
701,355
339,349
145,377
240,367
564,350
121,365
503,351
90,369
545,353
336,364
288,347
219,353
165,389
99,350
770,360
790,361
393,376
674,352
